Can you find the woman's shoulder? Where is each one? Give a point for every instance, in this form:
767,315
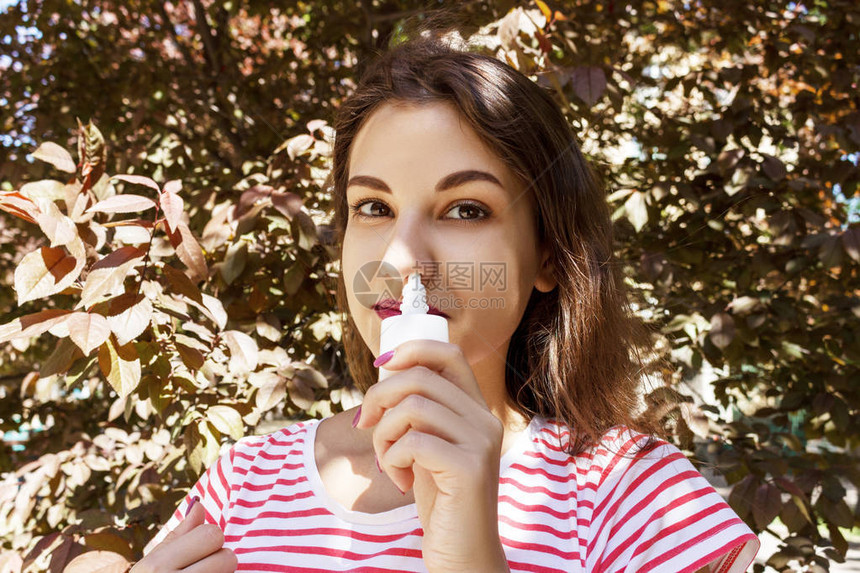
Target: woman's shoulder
620,451
273,446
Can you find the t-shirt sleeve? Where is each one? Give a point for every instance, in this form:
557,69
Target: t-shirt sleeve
213,489
656,512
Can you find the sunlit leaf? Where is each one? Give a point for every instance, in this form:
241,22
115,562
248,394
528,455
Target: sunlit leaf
98,562
125,203
138,180
55,155
18,205
189,252
120,366
32,324
216,310
130,315
59,229
108,275
227,420
172,206
547,13
45,272
87,330
636,208
243,351
45,189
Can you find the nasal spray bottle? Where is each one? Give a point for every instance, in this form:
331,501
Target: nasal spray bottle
413,322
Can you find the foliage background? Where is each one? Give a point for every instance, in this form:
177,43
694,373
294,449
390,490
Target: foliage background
148,321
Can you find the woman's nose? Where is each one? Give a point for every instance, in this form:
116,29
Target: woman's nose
408,249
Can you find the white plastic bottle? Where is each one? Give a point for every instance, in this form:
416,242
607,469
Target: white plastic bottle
413,322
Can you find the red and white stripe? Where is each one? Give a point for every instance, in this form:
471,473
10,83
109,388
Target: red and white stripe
613,509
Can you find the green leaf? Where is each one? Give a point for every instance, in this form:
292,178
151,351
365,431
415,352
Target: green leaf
227,420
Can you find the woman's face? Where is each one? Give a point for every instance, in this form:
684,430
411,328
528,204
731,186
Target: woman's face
427,195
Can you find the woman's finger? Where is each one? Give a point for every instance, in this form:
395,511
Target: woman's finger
222,561
420,380
445,358
415,412
428,451
199,543
194,516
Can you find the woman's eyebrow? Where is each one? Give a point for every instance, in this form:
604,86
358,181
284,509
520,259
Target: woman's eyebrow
448,182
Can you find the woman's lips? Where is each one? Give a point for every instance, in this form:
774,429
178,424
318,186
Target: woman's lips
390,307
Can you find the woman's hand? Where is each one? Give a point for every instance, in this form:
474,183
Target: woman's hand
433,433
193,547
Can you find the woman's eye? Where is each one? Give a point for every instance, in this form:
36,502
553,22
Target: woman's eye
370,209
468,211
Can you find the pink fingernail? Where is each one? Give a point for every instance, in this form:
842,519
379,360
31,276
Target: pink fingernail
383,358
194,500
379,467
357,417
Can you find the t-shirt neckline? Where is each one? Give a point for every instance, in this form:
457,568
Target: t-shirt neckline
398,514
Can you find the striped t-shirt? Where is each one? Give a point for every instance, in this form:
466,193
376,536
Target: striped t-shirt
615,508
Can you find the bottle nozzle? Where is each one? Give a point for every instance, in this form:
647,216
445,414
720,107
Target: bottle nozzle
414,296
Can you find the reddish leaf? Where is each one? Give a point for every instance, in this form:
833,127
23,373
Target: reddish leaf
191,357
138,180
45,272
181,284
57,156
722,330
32,324
172,205
589,83
108,274
121,366
18,205
189,252
126,203
766,504
851,243
288,204
67,550
773,168
88,331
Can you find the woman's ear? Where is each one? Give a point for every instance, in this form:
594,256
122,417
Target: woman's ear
545,280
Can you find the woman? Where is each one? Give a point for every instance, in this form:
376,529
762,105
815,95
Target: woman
513,446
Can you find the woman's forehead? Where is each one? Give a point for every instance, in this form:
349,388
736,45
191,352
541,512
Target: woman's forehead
433,140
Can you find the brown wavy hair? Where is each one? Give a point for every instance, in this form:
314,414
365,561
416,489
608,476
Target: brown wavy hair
574,355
